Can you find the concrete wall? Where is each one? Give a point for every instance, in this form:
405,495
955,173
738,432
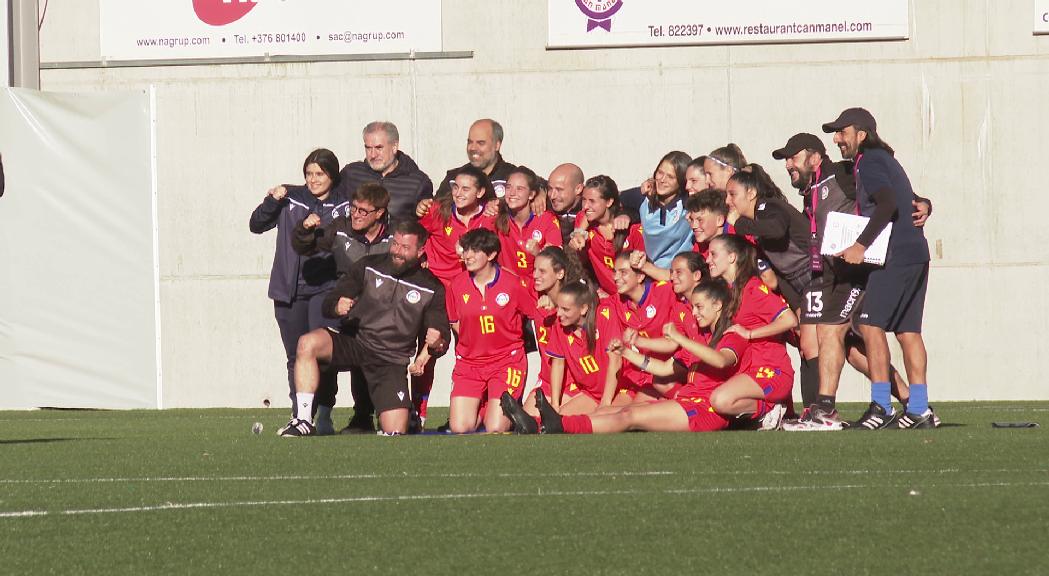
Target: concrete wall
962,102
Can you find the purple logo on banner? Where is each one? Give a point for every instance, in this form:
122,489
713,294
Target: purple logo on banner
599,12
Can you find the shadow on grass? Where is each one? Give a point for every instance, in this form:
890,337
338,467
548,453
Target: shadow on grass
48,440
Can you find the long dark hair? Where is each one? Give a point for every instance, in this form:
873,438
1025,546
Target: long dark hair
679,160
502,220
873,141
754,177
583,294
445,204
327,161
562,261
746,267
718,290
695,263
609,191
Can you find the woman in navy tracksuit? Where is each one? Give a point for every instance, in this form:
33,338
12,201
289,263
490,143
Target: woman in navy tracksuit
298,284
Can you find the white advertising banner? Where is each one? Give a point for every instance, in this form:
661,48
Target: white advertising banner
1041,16
206,29
610,23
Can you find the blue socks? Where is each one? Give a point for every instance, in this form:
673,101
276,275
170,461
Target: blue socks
882,395
919,401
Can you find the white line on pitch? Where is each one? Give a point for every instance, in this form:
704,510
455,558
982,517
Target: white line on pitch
643,473
423,497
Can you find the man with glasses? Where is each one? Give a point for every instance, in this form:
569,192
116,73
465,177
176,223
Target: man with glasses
362,231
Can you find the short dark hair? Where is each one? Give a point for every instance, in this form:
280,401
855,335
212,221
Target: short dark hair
327,161
710,200
412,228
480,240
373,193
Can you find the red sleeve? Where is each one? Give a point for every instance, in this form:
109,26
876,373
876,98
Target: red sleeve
608,325
734,342
580,220
430,219
555,348
526,302
635,240
455,299
762,301
551,230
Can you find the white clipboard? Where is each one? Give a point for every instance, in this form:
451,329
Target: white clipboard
843,229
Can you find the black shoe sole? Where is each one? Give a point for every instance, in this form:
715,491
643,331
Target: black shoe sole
522,422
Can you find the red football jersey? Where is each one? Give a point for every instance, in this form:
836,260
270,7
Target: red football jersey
704,378
544,326
543,228
647,318
489,324
441,252
685,322
588,369
701,249
602,254
758,307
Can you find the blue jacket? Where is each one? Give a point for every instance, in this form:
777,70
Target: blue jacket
292,275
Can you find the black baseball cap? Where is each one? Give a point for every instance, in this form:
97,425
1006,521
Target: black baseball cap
857,117
799,142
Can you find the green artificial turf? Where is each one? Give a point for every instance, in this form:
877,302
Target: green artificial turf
195,492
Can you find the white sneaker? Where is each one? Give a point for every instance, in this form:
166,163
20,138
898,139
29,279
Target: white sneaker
774,419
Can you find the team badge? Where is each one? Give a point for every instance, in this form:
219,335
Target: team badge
537,235
502,299
824,192
413,297
500,189
650,312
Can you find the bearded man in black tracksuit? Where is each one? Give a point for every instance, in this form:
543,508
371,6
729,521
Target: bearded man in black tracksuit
384,303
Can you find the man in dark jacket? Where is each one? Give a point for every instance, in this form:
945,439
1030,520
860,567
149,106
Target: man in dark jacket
386,164
384,303
482,150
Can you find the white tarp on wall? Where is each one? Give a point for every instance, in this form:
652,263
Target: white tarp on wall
78,281
605,23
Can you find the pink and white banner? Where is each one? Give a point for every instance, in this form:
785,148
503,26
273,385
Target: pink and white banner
612,23
198,29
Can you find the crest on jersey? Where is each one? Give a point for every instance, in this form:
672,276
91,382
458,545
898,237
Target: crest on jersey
604,312
413,297
650,312
571,340
682,316
447,230
824,192
502,299
466,298
537,235
627,315
764,288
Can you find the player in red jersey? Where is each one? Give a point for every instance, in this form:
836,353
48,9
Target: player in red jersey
447,219
522,232
717,354
763,386
489,304
687,270
579,346
553,269
595,235
642,306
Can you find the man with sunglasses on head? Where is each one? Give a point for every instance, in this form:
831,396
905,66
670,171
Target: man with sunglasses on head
363,230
